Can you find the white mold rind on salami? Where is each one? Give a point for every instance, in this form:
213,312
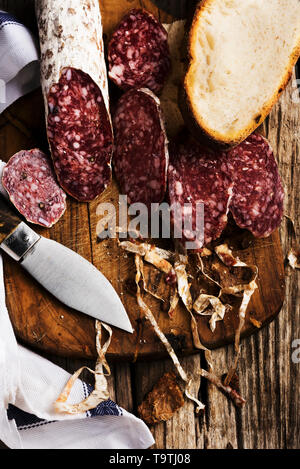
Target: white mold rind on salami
71,36
31,185
141,155
72,47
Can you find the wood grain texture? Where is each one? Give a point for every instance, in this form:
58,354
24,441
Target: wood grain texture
8,220
40,320
268,377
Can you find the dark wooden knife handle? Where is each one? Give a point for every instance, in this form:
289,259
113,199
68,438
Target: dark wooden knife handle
8,220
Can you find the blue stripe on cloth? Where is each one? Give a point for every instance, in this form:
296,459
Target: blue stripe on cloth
6,18
25,421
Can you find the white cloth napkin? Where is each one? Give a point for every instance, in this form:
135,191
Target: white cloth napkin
19,60
30,384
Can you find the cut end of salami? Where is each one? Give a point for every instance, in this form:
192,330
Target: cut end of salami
141,147
258,195
31,184
80,135
198,177
138,52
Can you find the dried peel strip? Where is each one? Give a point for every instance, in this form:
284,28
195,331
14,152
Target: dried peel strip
145,284
218,309
184,289
100,392
158,258
155,256
293,258
185,295
201,268
227,257
228,390
238,400
174,300
153,321
148,314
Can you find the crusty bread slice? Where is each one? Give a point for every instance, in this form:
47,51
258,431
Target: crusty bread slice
242,53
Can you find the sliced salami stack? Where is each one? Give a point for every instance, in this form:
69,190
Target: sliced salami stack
138,52
74,84
141,147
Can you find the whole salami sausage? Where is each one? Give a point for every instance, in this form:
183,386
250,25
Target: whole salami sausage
138,52
74,84
141,147
31,185
197,175
257,202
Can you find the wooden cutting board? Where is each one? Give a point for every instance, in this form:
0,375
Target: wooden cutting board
42,322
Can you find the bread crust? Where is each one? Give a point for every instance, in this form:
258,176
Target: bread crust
189,109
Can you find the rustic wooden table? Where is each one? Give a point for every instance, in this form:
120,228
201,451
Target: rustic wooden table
269,379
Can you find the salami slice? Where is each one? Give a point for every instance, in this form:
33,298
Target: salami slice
257,202
138,52
198,176
31,184
74,84
79,133
141,148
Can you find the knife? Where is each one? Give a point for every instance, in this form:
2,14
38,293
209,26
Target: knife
68,276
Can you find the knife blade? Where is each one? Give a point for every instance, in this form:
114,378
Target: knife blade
68,276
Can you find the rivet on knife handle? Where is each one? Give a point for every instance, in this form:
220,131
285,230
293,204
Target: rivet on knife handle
20,241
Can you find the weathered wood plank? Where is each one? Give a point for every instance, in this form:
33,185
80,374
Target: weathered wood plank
283,132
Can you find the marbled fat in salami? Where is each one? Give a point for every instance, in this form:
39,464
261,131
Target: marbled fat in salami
138,52
80,136
197,175
141,147
31,184
257,202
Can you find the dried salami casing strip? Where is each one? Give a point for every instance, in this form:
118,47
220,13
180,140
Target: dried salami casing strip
138,52
141,147
3,192
197,175
74,84
32,187
257,202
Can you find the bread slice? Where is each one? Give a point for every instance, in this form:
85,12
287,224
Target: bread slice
242,53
